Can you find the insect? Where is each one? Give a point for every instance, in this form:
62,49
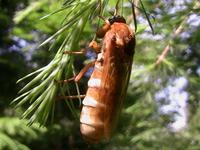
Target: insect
108,82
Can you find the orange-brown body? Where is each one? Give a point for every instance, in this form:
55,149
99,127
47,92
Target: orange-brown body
108,83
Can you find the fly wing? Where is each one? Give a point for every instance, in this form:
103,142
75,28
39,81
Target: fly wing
118,50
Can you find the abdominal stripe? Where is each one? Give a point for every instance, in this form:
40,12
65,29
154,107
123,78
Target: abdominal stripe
94,82
90,101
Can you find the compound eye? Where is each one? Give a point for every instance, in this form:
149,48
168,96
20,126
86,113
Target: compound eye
112,19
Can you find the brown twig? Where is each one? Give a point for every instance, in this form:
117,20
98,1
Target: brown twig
163,55
167,48
176,33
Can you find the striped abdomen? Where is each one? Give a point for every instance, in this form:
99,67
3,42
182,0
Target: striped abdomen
92,118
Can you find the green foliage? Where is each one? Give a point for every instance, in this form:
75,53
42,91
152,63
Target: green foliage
43,89
7,143
13,130
142,125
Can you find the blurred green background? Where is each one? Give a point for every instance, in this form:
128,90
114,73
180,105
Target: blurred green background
161,110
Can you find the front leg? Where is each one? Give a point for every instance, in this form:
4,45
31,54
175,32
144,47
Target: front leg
92,45
80,75
76,79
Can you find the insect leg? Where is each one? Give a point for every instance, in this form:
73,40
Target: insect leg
76,79
95,46
80,75
81,52
84,70
70,97
92,45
